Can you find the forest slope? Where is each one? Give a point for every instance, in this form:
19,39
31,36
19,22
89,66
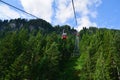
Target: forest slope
34,50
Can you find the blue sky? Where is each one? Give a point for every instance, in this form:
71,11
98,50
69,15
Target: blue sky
109,14
99,13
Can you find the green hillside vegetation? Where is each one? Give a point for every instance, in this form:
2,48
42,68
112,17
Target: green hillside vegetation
34,50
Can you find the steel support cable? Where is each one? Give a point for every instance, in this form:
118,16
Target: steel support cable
19,9
74,11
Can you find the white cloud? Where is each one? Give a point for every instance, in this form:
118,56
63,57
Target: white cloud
7,13
93,14
85,22
40,8
85,9
63,12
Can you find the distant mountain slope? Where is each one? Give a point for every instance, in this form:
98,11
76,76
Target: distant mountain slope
33,24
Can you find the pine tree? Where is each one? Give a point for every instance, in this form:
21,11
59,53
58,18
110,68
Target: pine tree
52,55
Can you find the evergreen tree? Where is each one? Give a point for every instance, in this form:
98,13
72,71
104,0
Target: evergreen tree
52,55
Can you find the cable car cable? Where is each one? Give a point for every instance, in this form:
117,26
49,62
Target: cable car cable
19,9
74,12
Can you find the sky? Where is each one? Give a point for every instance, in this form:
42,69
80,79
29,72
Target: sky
97,13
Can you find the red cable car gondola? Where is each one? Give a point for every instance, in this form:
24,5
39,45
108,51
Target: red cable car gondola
64,35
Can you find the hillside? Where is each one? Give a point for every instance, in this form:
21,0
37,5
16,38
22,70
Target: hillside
32,25
34,50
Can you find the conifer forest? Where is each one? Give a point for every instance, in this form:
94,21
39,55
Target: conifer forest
34,50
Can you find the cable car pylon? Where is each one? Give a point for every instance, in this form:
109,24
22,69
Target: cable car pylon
76,51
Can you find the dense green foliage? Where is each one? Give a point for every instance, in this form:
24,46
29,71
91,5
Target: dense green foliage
34,50
100,51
